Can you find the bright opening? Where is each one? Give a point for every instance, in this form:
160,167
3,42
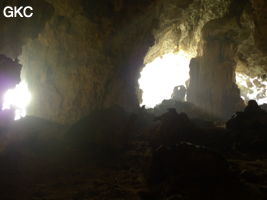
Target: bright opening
252,88
159,77
18,99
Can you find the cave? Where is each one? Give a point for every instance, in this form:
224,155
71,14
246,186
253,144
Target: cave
144,99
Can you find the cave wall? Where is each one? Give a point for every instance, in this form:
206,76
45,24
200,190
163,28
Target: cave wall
82,55
212,78
89,54
229,46
210,32
221,37
87,57
181,23
14,32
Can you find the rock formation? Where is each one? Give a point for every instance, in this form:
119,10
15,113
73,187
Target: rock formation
86,55
212,76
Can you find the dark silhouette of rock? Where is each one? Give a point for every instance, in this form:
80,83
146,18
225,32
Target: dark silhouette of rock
173,126
102,130
249,128
186,107
253,118
179,93
253,107
264,107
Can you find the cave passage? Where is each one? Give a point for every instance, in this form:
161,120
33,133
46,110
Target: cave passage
159,77
133,100
17,98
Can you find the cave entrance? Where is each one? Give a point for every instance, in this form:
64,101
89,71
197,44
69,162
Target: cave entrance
252,87
17,99
160,77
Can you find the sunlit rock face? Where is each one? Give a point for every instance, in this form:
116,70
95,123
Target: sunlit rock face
15,96
221,35
181,23
82,55
252,87
89,54
181,26
212,86
259,15
252,55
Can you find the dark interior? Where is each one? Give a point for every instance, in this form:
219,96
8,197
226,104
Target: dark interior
87,134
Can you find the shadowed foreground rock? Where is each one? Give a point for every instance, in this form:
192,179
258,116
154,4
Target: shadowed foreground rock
185,163
173,127
249,128
108,155
103,130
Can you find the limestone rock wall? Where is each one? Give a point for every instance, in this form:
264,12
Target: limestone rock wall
222,36
82,55
209,31
230,45
181,23
252,54
212,80
86,57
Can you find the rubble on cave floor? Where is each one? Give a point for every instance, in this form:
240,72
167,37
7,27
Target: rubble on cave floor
249,128
43,160
264,107
190,109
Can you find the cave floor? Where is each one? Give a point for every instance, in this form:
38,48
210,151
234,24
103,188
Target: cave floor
52,171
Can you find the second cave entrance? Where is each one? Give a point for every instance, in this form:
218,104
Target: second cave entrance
159,77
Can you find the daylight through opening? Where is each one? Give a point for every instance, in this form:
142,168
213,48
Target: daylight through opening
160,77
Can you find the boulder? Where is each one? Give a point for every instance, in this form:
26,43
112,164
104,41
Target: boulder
173,126
106,130
249,128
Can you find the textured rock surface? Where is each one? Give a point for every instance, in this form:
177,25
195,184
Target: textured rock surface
87,58
252,57
212,85
222,35
181,23
82,55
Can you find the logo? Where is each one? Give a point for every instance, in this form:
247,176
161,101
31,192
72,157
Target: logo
13,12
